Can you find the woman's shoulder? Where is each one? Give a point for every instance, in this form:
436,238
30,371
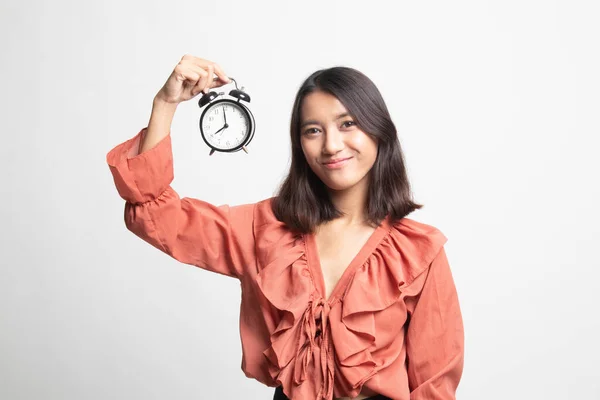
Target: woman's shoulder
416,228
421,236
417,242
263,212
266,223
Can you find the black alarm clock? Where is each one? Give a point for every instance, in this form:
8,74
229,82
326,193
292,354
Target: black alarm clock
226,124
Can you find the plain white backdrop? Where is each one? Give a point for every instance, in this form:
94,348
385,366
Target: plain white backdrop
496,105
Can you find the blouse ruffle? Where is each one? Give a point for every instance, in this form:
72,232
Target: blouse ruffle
321,340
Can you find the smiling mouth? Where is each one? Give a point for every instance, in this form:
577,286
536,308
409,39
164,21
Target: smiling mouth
338,164
339,160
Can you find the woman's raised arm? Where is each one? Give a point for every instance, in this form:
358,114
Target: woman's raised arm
215,238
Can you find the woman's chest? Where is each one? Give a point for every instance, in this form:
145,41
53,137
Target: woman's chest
336,249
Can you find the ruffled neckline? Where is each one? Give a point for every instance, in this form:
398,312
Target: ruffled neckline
314,262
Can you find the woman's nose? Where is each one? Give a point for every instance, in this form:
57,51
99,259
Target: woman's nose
334,141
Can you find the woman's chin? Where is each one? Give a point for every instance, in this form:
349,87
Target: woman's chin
339,186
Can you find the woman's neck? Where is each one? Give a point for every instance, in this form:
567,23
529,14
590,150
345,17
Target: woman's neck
352,202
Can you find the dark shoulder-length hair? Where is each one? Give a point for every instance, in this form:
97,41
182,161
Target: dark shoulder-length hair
303,201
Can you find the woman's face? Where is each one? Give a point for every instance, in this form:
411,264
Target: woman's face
328,133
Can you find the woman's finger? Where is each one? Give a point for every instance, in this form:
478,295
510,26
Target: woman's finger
209,80
221,74
201,84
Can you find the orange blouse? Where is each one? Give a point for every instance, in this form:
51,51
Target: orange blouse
392,323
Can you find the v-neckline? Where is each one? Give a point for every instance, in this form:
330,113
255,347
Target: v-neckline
314,262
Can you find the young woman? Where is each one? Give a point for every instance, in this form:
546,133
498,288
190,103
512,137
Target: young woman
343,296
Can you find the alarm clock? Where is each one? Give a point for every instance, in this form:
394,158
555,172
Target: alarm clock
226,124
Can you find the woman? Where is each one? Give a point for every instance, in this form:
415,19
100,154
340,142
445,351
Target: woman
343,296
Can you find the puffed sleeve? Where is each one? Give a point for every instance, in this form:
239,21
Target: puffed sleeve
435,336
216,238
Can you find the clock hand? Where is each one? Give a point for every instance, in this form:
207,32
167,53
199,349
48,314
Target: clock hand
224,116
224,126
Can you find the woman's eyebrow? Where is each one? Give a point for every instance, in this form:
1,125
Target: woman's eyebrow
311,121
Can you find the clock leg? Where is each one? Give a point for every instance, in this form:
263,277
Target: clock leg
245,149
211,152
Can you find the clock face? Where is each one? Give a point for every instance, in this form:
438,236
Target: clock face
225,125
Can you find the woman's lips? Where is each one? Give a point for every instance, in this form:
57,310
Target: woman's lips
337,164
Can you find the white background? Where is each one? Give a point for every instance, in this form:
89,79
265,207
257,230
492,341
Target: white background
496,104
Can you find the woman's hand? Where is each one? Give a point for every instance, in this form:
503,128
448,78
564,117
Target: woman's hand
191,76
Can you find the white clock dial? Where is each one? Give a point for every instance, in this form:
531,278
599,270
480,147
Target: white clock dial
225,125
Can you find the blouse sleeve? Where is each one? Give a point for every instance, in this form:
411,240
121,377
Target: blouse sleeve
435,336
216,238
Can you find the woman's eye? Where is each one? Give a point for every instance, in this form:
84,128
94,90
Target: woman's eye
310,130
348,123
